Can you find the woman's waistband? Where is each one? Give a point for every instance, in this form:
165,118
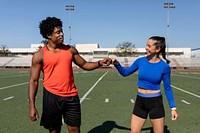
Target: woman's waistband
149,94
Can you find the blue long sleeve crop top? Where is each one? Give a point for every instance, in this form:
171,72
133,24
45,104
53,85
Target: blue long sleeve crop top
150,76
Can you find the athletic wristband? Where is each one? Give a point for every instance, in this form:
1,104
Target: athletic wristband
99,63
174,108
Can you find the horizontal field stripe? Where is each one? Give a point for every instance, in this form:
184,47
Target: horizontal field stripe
2,88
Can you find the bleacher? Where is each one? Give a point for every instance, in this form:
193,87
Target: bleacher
5,60
25,62
15,62
185,63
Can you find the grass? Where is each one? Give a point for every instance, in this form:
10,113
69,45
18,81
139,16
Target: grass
106,108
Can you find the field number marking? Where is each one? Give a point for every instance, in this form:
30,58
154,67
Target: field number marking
8,98
106,100
185,102
132,101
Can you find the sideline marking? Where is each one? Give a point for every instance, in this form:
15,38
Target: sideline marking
92,87
186,91
185,102
185,76
8,98
10,76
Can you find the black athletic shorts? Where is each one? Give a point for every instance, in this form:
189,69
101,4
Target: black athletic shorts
56,107
153,107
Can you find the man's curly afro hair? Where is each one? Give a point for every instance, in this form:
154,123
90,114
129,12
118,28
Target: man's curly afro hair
47,26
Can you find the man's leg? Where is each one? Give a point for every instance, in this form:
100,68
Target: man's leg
54,131
72,114
73,129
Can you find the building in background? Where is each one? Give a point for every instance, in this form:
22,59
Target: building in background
180,57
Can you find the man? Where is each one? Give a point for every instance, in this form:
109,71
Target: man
60,95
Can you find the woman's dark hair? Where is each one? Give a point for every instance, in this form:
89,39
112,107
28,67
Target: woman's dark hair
160,43
47,26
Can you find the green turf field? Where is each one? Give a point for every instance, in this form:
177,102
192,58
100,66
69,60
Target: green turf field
107,100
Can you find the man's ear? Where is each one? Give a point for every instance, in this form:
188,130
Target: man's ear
48,36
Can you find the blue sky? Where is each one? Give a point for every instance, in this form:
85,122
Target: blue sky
106,22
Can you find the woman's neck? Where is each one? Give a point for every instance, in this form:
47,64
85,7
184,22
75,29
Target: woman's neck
153,58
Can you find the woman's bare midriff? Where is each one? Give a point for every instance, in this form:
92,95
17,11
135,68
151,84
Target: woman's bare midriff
144,91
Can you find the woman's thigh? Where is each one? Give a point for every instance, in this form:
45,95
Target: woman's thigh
136,124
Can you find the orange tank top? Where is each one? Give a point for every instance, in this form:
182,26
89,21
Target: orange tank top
58,73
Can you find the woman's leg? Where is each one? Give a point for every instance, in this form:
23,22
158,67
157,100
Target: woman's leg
136,124
158,125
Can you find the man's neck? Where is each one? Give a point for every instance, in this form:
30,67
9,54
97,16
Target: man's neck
53,47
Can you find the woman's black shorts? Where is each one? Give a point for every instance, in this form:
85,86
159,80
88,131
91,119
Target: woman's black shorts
56,107
152,106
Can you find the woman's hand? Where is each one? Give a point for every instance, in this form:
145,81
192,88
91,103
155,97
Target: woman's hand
114,60
174,115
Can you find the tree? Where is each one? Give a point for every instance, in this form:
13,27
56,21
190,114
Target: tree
4,51
125,49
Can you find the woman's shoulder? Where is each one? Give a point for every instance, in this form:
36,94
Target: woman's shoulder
165,66
164,63
141,59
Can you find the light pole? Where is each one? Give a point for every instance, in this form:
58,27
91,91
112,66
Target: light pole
168,6
70,8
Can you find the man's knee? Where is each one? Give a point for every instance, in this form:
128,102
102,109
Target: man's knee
73,129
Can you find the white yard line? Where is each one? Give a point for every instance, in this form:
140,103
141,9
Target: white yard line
6,87
190,93
82,99
2,88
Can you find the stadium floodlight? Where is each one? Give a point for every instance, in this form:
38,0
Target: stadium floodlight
70,8
168,6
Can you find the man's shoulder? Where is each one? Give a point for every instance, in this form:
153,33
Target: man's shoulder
71,48
38,55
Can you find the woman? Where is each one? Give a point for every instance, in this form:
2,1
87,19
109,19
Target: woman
151,71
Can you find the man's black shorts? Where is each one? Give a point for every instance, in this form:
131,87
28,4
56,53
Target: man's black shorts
149,106
55,107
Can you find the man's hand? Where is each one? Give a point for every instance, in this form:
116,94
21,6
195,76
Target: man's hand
33,114
106,61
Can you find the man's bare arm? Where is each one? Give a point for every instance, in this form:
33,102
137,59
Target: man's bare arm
33,84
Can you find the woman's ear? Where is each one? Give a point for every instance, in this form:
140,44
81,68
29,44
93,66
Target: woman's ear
158,50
